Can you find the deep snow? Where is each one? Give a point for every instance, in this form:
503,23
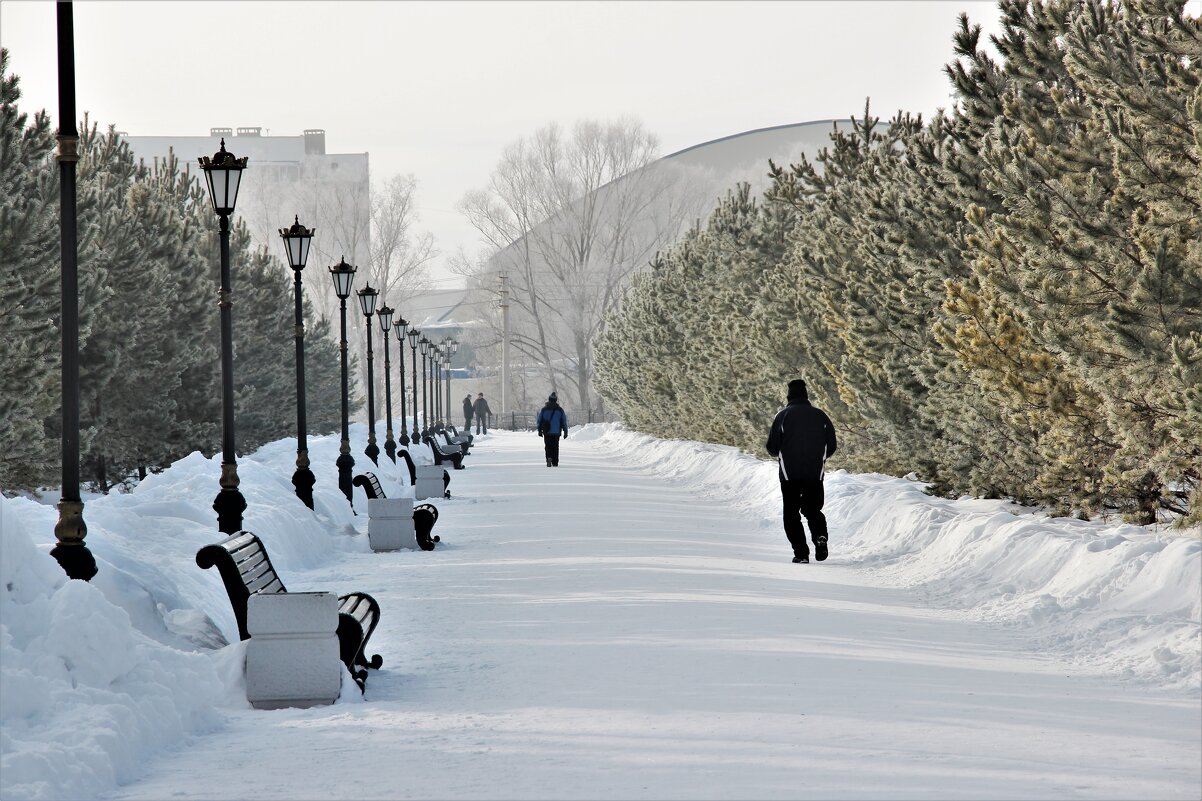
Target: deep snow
626,625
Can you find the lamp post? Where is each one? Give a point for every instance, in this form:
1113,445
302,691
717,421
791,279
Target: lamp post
223,174
343,276
425,347
367,300
70,530
436,356
413,335
436,383
296,243
435,386
446,372
449,347
400,327
385,314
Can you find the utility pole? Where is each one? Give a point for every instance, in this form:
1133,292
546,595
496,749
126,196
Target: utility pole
504,344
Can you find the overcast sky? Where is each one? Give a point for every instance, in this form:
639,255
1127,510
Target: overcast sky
438,89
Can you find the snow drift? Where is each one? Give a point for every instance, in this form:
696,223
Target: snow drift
95,677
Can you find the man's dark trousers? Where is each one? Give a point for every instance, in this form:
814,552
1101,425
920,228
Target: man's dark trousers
803,497
551,446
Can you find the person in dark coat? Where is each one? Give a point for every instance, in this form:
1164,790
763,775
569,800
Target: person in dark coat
467,413
801,438
481,412
552,421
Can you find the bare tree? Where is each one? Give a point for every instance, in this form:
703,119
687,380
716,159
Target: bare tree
400,256
568,218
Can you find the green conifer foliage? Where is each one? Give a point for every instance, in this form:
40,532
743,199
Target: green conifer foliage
265,356
1005,301
29,338
149,327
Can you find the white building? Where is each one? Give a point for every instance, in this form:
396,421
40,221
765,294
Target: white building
287,177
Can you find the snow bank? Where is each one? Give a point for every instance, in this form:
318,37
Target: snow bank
84,694
96,676
1121,599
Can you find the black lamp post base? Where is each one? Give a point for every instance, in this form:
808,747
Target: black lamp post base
229,506
390,449
404,439
304,480
345,462
76,560
373,452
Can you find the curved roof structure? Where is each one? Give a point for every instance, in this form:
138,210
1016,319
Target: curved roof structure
744,156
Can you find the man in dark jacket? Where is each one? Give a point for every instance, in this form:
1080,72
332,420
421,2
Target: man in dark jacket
481,411
552,421
802,438
467,413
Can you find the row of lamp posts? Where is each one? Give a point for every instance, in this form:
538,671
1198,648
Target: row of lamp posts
223,174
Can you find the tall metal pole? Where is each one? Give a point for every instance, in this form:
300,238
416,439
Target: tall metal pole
297,239
504,343
413,347
385,316
229,503
372,450
446,369
223,174
70,530
436,385
399,326
303,478
345,461
425,398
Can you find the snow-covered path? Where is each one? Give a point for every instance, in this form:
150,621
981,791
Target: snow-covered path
594,632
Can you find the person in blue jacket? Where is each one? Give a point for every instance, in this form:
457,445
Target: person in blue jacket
552,422
802,437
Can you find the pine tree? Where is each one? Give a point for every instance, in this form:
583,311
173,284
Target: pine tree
29,340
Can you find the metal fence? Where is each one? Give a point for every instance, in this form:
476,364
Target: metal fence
525,420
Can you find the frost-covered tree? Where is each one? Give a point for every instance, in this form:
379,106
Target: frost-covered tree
569,216
29,338
1005,301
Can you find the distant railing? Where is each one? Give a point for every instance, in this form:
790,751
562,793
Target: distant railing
525,420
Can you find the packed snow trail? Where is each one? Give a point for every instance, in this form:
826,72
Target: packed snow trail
592,631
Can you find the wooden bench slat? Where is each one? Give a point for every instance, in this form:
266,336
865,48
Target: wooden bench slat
265,582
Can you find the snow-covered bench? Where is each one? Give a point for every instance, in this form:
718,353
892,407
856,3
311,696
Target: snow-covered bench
425,515
426,478
246,570
453,437
445,453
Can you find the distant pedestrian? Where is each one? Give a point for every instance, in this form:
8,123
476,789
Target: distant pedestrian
552,422
802,437
481,412
467,413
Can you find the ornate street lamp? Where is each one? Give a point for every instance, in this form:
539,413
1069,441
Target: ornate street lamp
367,300
448,347
446,371
436,385
70,530
436,379
223,175
454,349
413,336
343,276
425,346
400,326
296,243
385,314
